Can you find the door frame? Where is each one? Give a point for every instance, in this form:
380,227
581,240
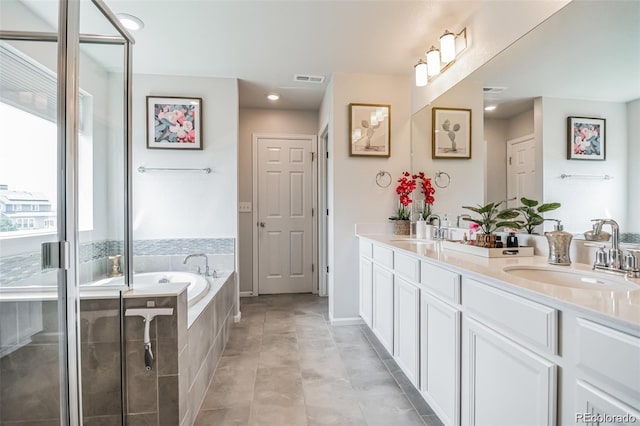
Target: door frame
314,204
322,216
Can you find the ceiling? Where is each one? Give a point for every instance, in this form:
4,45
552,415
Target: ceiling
588,50
265,43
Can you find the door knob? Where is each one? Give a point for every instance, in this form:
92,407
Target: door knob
261,224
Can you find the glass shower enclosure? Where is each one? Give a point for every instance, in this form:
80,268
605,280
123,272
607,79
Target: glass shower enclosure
65,167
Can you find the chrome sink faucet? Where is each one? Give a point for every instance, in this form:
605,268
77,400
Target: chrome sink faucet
460,217
206,263
439,233
614,261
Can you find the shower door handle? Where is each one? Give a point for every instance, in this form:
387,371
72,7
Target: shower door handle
55,255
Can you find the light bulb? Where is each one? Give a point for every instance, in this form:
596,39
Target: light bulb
421,73
433,61
448,47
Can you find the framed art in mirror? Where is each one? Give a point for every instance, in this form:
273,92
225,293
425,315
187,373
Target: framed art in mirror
451,133
586,138
174,122
369,130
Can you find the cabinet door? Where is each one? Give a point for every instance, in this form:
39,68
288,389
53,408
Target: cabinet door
366,290
595,407
406,342
440,358
383,306
502,382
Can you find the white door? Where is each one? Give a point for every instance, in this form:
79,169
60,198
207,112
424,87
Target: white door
521,170
284,212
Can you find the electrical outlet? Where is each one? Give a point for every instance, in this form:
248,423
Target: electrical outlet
245,207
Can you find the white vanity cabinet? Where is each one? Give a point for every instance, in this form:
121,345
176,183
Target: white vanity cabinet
366,281
407,328
440,342
506,380
382,317
608,374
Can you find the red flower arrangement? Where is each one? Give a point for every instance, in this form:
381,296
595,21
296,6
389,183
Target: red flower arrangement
406,185
428,191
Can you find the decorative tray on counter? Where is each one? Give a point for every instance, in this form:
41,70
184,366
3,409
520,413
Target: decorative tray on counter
488,252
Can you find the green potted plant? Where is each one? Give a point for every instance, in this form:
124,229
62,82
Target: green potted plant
532,213
491,217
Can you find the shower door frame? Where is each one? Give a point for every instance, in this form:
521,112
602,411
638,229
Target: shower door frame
69,38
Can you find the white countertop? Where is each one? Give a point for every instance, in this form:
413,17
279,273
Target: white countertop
622,306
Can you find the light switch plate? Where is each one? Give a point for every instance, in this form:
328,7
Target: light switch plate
245,207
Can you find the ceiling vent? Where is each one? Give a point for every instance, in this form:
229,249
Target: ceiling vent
493,90
302,78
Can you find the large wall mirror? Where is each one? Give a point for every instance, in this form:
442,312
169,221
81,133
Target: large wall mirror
584,61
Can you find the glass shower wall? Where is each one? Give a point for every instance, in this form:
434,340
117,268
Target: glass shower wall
85,205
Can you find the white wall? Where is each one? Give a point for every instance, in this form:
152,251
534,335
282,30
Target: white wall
633,161
354,196
187,204
521,125
584,199
467,186
490,30
495,136
261,121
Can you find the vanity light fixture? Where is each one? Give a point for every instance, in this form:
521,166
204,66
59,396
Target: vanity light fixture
130,22
273,96
438,60
490,107
421,73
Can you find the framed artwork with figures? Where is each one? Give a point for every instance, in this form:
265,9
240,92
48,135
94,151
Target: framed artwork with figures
586,138
451,133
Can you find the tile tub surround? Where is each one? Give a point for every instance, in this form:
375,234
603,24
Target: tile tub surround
185,357
29,374
24,269
286,365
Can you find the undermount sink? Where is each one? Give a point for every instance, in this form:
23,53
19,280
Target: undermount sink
586,280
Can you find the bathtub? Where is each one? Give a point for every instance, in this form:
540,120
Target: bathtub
198,286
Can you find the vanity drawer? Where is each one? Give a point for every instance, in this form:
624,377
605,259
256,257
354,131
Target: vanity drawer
441,282
366,248
383,256
521,319
408,267
610,357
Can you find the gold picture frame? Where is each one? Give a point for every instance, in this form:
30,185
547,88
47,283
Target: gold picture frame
369,130
451,133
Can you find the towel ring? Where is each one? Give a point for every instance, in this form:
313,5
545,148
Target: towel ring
381,180
440,181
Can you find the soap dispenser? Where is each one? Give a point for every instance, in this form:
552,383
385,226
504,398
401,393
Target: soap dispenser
559,244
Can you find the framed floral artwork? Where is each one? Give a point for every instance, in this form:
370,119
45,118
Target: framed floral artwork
174,123
586,138
451,133
369,130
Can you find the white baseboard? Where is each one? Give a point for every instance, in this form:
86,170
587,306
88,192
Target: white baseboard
246,294
346,321
236,318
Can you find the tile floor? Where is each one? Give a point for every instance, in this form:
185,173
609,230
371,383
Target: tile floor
285,365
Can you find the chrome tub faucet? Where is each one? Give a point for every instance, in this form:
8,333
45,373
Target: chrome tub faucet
206,263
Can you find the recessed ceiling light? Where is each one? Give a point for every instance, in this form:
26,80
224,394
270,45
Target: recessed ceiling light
490,107
130,22
273,96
